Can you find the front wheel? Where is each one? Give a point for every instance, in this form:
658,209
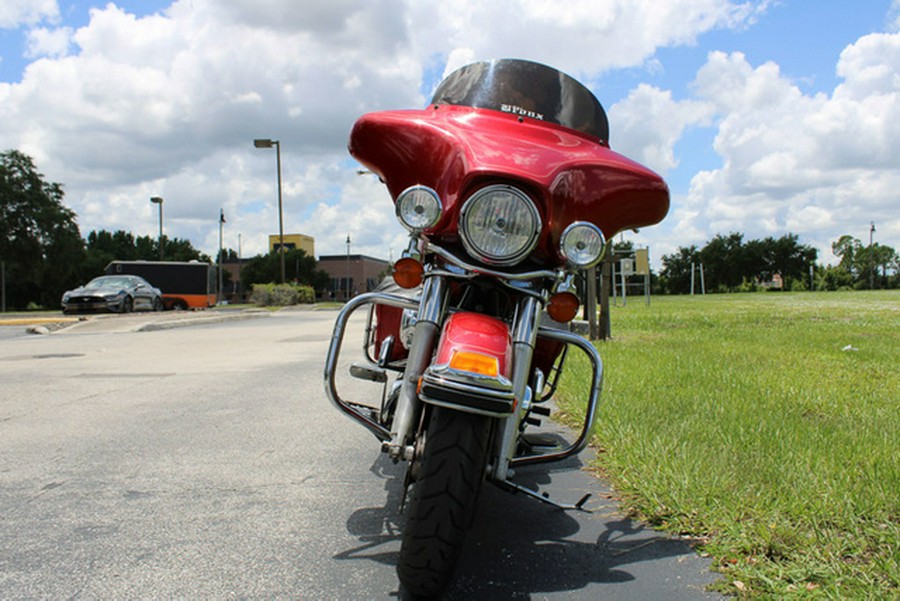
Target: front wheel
443,499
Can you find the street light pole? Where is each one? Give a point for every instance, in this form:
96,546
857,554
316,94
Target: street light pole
871,257
221,258
348,266
266,143
159,201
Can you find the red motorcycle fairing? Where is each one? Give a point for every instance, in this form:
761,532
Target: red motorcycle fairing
472,367
571,175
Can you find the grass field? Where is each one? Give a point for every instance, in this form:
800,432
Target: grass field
766,425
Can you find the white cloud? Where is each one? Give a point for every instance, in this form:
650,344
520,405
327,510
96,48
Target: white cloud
168,104
819,166
649,123
15,13
49,42
581,37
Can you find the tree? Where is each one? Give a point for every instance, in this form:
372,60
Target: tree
847,248
675,276
862,263
299,268
104,246
725,266
40,244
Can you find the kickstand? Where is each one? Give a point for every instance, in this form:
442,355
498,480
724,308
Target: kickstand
545,498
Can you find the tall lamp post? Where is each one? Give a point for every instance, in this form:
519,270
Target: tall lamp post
221,296
348,267
871,257
159,201
266,143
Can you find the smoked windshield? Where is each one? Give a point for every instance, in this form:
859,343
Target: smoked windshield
528,89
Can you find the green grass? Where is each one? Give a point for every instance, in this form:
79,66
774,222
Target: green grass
745,421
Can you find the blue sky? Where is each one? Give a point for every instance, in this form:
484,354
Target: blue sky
765,116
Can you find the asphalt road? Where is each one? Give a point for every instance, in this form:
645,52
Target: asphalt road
205,462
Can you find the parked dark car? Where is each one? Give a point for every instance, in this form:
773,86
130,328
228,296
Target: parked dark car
118,293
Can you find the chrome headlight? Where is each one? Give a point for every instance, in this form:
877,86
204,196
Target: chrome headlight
499,225
418,208
582,244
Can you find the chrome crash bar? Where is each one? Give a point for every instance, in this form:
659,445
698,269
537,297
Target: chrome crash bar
358,411
590,414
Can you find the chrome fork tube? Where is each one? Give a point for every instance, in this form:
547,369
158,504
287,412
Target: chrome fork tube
524,336
431,311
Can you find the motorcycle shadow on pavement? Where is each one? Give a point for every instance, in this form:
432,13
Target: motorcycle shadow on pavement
519,547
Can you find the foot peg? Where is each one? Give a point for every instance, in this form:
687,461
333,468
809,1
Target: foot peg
371,373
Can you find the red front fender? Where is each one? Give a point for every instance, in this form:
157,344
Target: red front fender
476,333
471,371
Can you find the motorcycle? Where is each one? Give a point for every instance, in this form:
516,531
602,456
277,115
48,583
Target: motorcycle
509,189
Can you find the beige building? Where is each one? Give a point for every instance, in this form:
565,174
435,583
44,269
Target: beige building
291,241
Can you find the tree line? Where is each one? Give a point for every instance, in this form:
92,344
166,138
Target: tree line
42,252
729,264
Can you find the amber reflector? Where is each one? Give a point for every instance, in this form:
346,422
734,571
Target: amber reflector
408,272
475,363
563,307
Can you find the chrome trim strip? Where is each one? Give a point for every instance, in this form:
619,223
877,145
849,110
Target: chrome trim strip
479,270
445,373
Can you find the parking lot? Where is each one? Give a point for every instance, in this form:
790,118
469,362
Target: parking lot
144,460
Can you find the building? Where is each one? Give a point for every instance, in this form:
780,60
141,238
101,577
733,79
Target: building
291,241
350,275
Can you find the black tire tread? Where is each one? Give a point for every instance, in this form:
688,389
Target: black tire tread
443,500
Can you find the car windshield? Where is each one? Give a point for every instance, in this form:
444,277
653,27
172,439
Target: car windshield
528,89
109,282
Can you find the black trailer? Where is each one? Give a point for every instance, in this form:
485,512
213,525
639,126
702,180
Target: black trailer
184,284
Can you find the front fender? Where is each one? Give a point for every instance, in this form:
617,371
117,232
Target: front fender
472,366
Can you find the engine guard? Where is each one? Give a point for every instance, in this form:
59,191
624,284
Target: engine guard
367,416
360,412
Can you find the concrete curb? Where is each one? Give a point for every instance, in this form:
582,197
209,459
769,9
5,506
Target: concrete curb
192,321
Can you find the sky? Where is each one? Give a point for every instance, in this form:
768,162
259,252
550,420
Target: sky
765,117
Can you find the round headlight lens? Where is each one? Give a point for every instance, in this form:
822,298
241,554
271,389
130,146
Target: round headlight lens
582,244
418,208
500,225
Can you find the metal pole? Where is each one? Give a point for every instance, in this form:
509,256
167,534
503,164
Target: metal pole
605,284
348,267
871,258
159,201
692,279
221,226
266,143
240,293
280,210
591,302
3,284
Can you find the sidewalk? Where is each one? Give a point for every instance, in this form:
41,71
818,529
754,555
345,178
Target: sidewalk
47,322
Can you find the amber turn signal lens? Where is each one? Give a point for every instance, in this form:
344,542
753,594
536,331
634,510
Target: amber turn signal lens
563,307
475,363
408,272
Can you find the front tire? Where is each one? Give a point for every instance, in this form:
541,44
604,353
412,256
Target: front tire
443,499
